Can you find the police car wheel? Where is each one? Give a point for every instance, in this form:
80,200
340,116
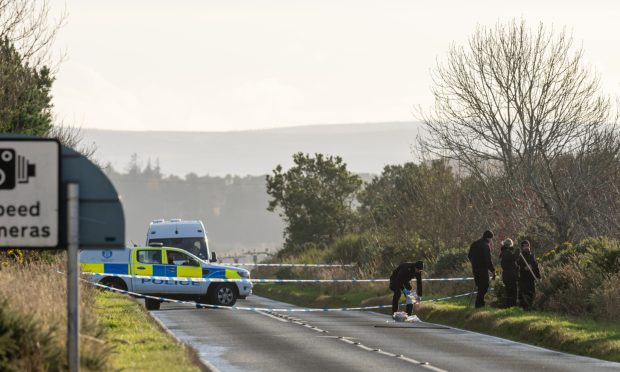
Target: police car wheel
224,295
114,282
151,304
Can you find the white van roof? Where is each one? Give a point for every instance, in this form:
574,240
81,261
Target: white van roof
176,227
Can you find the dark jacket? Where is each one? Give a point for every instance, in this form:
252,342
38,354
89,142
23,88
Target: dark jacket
480,256
510,270
524,272
403,274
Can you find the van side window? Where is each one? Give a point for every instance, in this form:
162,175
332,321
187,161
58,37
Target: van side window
149,256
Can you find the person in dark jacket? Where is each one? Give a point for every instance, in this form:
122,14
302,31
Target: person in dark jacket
528,274
400,283
480,258
510,271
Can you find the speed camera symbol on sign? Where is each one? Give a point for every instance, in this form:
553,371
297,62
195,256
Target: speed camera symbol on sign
14,169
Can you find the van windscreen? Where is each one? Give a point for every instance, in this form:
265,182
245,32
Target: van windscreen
196,246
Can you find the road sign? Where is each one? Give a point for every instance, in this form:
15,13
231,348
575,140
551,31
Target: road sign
29,193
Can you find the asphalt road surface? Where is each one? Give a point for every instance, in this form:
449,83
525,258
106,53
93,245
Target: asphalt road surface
231,340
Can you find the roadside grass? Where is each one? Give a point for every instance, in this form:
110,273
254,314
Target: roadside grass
559,332
33,319
139,344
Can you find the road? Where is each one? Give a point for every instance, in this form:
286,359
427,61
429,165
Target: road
232,340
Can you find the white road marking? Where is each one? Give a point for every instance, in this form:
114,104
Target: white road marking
348,340
272,316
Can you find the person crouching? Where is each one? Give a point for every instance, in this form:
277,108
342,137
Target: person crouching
400,284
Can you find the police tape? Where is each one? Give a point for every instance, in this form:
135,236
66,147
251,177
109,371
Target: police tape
287,265
242,280
250,308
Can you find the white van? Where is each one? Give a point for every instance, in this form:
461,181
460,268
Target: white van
188,235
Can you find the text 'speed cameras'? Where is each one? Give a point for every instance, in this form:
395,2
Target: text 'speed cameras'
14,169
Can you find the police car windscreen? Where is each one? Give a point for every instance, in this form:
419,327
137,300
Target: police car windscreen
196,246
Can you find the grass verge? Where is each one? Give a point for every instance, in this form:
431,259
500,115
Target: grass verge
138,342
33,319
562,333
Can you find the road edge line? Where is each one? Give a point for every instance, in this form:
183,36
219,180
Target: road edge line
204,364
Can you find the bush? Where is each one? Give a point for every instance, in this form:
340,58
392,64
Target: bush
353,248
26,347
407,249
605,299
451,262
564,290
582,279
600,254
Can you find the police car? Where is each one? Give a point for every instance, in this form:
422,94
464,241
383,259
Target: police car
165,262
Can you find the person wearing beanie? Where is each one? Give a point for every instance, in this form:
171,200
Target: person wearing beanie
400,284
528,275
480,257
510,271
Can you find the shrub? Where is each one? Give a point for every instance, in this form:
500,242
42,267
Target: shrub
600,254
353,248
407,249
564,290
581,279
26,347
451,262
605,299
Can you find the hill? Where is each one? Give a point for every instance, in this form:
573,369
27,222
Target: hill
366,148
206,175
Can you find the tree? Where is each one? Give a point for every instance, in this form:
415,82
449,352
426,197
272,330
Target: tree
25,98
427,201
27,25
314,197
520,105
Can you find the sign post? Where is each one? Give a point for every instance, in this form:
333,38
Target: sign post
73,293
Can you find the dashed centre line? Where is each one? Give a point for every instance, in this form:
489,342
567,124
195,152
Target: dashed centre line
349,340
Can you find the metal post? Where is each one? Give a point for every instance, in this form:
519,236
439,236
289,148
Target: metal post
73,293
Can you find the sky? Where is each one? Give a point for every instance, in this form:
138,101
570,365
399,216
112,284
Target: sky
243,65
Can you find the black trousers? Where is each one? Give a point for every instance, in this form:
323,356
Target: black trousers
482,283
511,292
527,292
396,300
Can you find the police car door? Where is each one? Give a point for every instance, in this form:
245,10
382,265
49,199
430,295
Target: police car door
147,262
184,266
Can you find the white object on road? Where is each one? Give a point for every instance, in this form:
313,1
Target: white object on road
402,316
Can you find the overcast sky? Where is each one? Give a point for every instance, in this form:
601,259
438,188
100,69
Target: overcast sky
236,65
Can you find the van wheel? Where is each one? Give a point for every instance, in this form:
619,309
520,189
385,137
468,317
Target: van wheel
152,304
224,294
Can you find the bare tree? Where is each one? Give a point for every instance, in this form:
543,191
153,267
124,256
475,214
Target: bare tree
73,137
520,105
27,24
